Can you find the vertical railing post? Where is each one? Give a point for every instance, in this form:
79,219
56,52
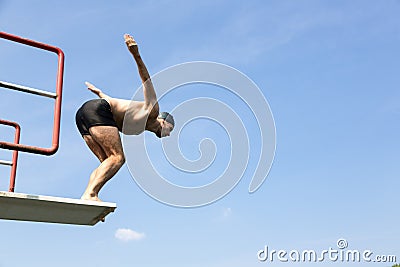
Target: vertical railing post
14,160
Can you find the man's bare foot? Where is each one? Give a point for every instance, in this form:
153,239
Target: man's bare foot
131,43
91,198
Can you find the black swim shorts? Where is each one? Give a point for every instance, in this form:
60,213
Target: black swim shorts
94,113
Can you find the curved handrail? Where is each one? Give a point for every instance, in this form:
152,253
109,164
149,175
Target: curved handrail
57,106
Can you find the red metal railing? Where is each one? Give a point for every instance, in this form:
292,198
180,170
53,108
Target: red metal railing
14,161
58,96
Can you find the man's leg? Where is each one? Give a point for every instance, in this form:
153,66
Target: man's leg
98,152
95,147
108,139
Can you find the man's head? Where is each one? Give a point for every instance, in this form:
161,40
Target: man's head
167,124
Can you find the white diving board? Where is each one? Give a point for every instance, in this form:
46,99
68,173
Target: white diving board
34,208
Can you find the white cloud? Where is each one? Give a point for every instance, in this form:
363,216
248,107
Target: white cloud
227,212
128,235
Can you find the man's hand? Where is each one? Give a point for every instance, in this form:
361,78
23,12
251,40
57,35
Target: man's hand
131,44
94,89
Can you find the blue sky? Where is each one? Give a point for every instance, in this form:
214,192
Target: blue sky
329,70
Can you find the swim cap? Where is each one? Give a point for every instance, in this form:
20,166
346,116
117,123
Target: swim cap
167,117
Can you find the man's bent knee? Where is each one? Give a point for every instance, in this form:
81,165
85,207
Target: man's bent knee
118,160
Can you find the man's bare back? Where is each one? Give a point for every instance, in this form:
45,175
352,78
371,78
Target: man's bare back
138,114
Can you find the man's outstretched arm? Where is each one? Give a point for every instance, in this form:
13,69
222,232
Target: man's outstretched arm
150,97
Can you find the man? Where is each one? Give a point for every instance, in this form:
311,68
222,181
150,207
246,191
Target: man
100,120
